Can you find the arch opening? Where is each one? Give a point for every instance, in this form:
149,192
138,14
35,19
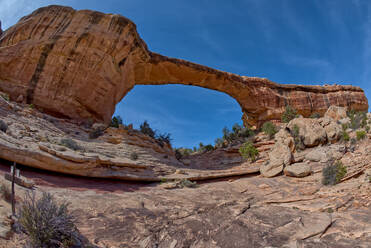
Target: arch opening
192,115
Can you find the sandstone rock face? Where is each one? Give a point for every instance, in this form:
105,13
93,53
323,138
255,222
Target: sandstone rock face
80,64
336,113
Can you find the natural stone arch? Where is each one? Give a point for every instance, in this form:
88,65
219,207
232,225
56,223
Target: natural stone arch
80,64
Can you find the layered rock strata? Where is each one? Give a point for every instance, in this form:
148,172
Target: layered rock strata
80,64
30,137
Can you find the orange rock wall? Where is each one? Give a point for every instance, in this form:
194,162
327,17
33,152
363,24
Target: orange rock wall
80,64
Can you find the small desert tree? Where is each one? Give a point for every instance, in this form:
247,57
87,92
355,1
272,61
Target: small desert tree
116,121
146,129
361,134
269,129
248,151
289,114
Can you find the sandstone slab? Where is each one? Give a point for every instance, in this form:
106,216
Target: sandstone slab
336,113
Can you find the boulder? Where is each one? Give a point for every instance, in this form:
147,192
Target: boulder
279,157
320,154
20,98
285,138
333,129
298,170
310,131
344,121
333,132
99,126
336,113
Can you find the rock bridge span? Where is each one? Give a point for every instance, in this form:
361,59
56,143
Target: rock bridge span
80,64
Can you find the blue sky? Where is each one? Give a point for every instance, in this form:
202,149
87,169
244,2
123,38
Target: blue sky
287,41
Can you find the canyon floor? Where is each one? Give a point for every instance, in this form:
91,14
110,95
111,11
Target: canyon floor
250,211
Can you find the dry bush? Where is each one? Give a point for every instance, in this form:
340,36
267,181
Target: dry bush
46,223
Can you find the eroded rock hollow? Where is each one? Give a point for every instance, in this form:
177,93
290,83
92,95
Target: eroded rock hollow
80,64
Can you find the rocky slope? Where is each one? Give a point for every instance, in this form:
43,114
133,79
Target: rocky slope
39,140
80,64
241,212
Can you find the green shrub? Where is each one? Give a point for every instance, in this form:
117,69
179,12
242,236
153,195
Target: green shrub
147,130
185,183
5,192
353,141
248,151
357,119
70,143
5,97
116,121
208,148
163,138
361,135
332,174
345,136
269,129
315,116
295,132
182,152
289,114
239,134
47,224
344,126
3,126
219,142
134,156
367,128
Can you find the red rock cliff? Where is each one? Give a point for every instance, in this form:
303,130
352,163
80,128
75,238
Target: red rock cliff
80,64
